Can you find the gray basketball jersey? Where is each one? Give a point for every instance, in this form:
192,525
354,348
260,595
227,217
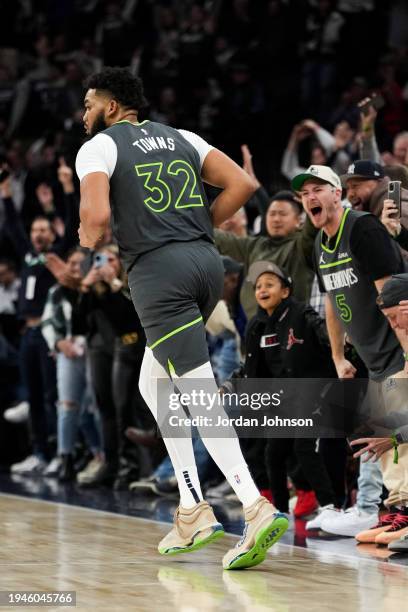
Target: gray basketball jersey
156,192
353,295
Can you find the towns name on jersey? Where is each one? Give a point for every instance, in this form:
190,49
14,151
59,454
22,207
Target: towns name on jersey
338,280
154,143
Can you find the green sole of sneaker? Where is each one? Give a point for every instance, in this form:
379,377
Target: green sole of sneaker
264,540
217,533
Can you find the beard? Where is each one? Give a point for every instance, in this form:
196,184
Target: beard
99,125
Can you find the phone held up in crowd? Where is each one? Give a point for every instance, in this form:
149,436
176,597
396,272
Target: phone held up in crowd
394,194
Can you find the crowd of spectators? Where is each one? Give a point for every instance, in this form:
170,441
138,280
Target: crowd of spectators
291,79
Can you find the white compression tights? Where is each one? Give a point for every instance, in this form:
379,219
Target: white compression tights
226,452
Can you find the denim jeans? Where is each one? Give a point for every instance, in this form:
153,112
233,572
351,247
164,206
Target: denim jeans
75,397
370,483
225,356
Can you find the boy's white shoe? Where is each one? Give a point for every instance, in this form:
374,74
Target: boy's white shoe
323,513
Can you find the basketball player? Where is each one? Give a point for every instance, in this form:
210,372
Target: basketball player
149,177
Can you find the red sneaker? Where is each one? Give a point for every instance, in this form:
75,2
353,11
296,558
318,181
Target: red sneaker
306,503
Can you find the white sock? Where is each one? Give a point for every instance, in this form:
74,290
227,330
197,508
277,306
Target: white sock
189,486
226,452
180,450
244,487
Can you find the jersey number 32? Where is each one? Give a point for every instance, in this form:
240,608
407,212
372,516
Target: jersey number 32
157,181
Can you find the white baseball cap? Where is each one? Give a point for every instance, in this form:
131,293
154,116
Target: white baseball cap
324,173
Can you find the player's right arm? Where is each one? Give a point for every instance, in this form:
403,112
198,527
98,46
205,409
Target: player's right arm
344,368
237,186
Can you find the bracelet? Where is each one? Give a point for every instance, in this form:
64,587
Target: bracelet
395,446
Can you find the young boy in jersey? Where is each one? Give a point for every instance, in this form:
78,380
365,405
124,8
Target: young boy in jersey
288,339
150,177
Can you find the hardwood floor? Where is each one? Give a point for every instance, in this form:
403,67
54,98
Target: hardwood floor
112,563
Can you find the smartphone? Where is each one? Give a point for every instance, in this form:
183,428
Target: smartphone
394,194
376,101
100,260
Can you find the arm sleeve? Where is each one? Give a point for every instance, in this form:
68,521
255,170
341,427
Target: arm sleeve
290,164
15,229
318,325
308,235
201,146
233,246
261,199
384,259
369,149
402,239
50,331
326,140
97,155
70,237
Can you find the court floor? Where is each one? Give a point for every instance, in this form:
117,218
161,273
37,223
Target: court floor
110,560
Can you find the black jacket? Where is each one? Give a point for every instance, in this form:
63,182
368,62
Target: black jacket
291,343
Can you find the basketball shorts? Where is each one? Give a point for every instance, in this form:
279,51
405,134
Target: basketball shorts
175,289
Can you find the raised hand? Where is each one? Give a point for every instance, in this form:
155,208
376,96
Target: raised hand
65,175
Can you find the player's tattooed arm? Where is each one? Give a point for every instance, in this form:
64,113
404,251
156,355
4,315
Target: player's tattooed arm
94,210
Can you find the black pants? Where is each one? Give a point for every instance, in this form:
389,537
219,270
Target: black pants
39,374
115,377
277,454
334,453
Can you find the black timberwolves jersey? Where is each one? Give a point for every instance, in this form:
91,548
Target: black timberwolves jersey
156,192
353,295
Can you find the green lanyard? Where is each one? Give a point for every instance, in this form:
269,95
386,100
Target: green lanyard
395,446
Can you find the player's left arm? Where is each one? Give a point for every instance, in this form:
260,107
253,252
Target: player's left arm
237,186
94,209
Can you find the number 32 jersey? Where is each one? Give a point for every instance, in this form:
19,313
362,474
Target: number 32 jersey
156,192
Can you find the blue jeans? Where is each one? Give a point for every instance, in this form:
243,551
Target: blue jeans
225,357
370,483
75,399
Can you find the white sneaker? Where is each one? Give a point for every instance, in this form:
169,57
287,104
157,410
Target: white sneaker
322,513
53,467
17,414
350,522
90,471
31,465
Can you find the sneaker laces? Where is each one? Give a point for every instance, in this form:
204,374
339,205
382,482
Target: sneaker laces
400,521
242,540
387,519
